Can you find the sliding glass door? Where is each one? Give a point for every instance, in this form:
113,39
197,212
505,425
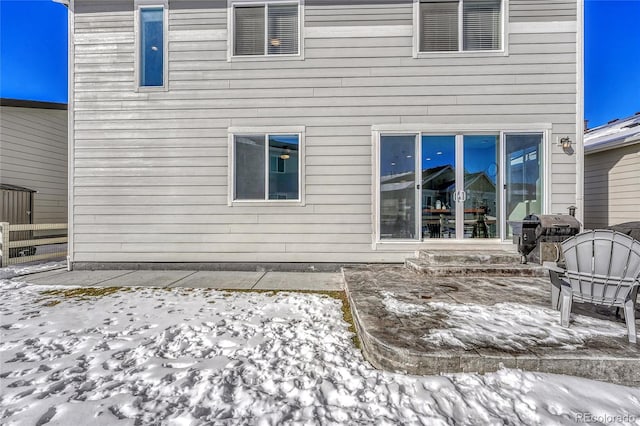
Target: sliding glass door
438,186
398,195
480,191
457,186
460,186
523,176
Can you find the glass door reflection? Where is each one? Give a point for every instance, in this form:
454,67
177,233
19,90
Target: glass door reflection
438,186
480,195
398,187
523,176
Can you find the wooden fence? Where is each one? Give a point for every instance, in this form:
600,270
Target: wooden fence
32,242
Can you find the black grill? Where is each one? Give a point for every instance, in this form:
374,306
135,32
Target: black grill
542,233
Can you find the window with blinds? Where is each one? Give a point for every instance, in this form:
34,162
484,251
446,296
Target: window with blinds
269,29
439,32
460,25
249,31
481,26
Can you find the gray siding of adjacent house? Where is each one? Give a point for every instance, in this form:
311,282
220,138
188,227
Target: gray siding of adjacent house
151,168
33,154
612,187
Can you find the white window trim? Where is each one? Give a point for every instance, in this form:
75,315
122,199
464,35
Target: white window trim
264,130
504,51
449,129
144,4
266,57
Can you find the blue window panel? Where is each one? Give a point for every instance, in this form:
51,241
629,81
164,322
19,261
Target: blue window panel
283,179
152,47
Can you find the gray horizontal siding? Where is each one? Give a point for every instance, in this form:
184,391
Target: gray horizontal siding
151,167
354,13
33,154
198,15
612,187
542,10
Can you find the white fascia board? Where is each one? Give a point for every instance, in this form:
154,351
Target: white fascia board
610,144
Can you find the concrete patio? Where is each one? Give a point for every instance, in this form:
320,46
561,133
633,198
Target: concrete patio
395,341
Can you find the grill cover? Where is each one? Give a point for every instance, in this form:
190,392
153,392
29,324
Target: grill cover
554,225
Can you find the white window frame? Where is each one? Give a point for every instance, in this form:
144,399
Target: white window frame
461,129
266,131
231,57
417,24
149,4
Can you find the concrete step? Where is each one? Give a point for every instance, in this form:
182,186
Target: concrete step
474,269
469,257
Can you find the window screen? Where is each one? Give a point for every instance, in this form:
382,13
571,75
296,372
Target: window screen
439,22
283,29
478,22
270,29
249,170
151,47
481,24
249,31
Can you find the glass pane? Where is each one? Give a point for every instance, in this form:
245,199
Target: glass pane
283,167
151,47
249,168
482,30
438,186
397,187
439,26
249,31
283,29
523,176
481,186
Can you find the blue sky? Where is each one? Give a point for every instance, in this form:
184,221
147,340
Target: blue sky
33,46
33,63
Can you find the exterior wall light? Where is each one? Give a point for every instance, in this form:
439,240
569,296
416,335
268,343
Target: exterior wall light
565,143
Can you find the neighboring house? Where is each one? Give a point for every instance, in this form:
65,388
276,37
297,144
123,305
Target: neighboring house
612,173
267,131
33,161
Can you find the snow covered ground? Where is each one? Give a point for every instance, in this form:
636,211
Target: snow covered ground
193,356
30,268
506,326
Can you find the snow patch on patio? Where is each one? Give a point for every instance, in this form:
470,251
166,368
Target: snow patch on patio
509,326
179,356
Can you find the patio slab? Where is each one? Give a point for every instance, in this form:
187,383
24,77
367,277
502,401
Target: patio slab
394,340
227,280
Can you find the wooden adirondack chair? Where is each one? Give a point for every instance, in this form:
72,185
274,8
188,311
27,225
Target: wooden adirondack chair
601,267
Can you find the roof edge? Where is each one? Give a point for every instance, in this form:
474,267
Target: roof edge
607,145
23,103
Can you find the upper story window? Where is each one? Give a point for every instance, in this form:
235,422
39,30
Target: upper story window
151,42
460,25
265,29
